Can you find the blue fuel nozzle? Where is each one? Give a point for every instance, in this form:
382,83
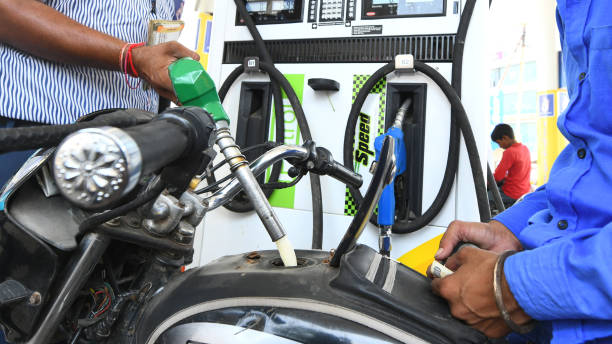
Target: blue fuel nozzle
386,204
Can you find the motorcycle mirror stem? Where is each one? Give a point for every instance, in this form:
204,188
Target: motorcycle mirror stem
194,87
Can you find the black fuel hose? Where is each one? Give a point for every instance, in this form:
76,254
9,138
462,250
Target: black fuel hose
229,81
458,114
499,203
315,181
468,135
242,207
265,55
402,227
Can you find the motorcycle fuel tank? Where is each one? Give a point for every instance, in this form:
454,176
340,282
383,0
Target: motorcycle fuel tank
369,296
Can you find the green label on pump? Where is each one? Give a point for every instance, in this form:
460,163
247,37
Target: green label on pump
285,198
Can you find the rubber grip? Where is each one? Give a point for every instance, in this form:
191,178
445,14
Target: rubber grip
160,142
345,175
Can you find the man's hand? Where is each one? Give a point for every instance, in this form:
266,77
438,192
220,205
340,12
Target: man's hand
492,236
33,27
152,65
469,292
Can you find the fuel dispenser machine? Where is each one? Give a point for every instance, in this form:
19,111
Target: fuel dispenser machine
328,49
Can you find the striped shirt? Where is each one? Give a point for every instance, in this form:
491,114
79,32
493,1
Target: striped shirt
38,90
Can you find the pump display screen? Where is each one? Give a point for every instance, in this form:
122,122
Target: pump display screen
273,11
269,7
375,9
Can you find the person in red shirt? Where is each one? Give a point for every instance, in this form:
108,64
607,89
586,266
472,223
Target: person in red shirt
513,172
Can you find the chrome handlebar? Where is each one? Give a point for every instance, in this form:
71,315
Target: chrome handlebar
269,158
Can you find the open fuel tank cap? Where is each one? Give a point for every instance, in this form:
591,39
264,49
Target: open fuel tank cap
319,84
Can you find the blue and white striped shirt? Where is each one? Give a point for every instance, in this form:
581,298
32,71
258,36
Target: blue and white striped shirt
38,90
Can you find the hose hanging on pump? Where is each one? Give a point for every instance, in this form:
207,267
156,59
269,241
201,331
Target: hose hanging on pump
279,78
458,114
468,135
499,203
402,227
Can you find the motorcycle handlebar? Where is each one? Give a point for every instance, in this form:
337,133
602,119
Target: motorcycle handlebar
269,158
95,167
160,142
345,175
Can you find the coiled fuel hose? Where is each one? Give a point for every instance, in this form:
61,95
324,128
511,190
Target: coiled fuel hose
458,115
280,82
402,227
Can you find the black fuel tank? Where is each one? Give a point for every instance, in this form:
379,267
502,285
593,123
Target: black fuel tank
371,291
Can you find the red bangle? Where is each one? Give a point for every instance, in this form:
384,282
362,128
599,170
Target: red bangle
121,57
127,61
129,57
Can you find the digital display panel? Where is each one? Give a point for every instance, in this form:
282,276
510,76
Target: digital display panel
373,9
259,6
273,11
274,6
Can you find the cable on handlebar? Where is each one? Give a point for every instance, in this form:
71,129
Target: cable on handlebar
24,138
283,185
152,192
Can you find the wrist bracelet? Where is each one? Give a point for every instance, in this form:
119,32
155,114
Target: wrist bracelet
127,64
121,57
498,272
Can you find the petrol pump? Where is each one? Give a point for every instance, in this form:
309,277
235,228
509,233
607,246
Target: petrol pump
327,50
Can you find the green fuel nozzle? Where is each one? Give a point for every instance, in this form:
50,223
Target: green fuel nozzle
194,87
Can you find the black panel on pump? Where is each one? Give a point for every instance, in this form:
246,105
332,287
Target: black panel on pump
409,186
253,117
377,9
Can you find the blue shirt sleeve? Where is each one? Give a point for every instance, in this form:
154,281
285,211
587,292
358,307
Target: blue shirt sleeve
565,279
516,217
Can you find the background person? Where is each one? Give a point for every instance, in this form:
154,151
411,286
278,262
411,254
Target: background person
514,170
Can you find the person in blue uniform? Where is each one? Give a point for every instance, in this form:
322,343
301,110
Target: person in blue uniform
560,277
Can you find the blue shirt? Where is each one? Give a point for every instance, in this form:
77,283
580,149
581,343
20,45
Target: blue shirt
565,273
38,90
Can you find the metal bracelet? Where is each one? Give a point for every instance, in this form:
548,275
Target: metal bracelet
498,272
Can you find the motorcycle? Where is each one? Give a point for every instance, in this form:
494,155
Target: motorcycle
98,225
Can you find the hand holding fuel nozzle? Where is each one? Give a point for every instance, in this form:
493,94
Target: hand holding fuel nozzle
194,87
491,236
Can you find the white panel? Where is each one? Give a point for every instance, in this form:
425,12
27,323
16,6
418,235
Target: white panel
391,27
475,100
226,232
